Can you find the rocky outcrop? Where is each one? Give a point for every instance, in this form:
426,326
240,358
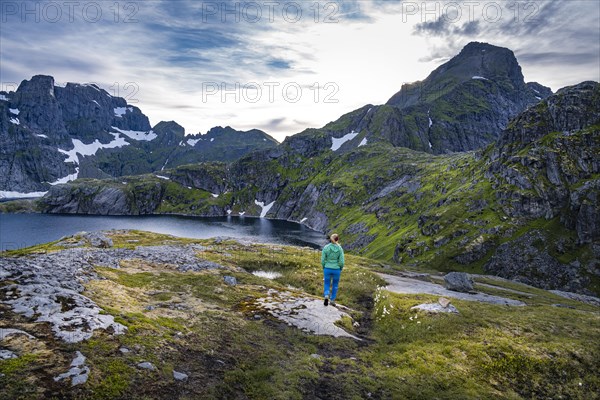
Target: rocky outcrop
584,207
211,177
571,109
545,163
99,199
528,260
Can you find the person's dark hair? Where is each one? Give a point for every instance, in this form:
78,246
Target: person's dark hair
334,237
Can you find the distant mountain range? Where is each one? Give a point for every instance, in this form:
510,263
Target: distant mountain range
51,135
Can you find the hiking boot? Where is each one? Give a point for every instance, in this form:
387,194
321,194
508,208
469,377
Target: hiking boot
333,303
326,301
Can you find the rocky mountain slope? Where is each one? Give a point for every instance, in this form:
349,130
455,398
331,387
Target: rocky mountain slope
462,105
51,135
129,314
525,208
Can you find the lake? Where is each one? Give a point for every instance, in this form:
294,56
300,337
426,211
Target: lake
23,230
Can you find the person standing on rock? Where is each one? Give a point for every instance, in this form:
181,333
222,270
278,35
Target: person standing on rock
332,260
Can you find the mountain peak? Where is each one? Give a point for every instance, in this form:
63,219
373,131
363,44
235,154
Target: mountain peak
475,61
37,86
473,47
173,127
37,81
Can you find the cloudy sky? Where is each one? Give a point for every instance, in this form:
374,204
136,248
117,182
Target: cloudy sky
282,66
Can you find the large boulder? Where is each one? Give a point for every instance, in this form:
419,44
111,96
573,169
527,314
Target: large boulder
459,282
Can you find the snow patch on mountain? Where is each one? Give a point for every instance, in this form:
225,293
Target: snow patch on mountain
90,149
4,194
120,111
265,209
65,179
338,142
137,135
82,149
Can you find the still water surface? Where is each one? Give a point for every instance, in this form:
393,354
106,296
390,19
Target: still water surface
22,230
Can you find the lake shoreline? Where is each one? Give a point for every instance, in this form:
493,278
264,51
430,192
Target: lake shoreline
32,210
20,230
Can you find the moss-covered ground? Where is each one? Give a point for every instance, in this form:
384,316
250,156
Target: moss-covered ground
195,323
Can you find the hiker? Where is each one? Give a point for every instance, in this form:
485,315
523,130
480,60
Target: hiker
332,260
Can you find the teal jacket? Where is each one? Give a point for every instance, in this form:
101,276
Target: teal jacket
332,257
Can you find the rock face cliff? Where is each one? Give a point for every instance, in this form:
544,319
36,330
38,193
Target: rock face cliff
546,166
549,155
51,135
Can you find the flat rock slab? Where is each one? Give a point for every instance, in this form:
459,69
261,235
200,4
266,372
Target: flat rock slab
398,284
48,289
595,301
435,308
307,314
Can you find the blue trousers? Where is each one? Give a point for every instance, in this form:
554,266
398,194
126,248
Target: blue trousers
329,276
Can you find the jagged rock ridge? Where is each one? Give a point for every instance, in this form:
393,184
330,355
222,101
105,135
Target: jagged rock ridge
51,134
